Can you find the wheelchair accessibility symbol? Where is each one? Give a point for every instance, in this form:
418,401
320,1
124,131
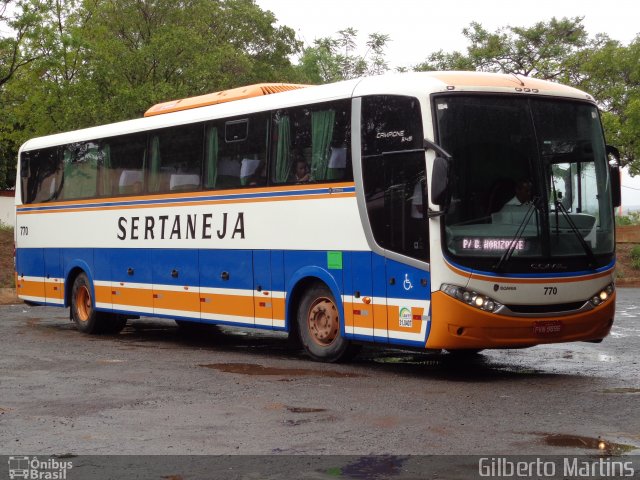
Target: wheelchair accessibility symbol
407,283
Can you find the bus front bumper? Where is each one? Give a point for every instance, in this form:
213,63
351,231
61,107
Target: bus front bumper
456,325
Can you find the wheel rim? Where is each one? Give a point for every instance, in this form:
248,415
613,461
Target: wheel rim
83,303
323,321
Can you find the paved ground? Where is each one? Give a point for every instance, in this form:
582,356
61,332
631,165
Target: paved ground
154,390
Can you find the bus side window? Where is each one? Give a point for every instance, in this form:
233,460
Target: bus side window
123,164
311,144
41,175
80,170
175,162
236,152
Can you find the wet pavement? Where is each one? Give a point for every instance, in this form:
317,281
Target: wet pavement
154,389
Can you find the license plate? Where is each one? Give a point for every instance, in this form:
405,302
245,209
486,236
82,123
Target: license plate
547,327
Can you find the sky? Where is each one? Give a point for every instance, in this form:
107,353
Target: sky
420,27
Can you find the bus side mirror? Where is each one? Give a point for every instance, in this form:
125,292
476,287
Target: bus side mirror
616,194
614,176
440,182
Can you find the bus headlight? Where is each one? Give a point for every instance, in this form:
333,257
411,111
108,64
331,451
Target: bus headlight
470,297
602,295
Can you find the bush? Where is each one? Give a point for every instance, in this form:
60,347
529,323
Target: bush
632,218
635,257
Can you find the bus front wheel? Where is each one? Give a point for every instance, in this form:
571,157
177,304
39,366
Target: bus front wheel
319,326
83,313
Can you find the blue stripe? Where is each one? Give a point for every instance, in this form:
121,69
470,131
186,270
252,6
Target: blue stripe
580,273
169,201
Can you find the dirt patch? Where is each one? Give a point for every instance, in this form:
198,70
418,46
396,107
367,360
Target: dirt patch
8,296
6,258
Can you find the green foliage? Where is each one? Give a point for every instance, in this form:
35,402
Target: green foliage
561,50
538,51
610,71
89,62
635,257
632,218
335,58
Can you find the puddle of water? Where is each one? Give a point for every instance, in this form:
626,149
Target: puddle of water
260,370
621,390
371,467
576,441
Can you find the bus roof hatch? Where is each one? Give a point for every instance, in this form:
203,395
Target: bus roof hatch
231,95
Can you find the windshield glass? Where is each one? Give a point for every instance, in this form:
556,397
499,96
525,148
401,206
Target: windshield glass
529,176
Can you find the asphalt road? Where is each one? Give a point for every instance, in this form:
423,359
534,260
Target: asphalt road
155,390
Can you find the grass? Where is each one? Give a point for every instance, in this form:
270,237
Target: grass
635,257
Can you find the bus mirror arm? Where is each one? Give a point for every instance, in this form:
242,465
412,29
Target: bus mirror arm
441,152
439,178
440,183
435,213
613,155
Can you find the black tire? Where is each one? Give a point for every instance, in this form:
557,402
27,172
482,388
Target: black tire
84,314
319,326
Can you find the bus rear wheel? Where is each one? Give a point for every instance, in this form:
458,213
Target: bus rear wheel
319,326
84,315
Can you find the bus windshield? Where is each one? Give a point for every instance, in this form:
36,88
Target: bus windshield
530,182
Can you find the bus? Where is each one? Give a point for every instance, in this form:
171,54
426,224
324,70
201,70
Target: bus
454,211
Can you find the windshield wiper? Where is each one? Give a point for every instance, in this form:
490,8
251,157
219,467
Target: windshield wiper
585,246
508,253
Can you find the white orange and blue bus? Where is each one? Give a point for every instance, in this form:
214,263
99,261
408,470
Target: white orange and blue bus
385,210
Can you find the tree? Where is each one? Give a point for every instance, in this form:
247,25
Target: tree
539,51
90,62
19,22
331,59
610,71
561,50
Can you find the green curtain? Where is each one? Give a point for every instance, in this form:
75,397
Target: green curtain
321,135
154,175
283,150
212,157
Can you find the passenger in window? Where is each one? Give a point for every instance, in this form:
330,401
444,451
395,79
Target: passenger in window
523,194
301,171
259,176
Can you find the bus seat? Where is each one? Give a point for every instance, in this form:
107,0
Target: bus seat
183,181
130,181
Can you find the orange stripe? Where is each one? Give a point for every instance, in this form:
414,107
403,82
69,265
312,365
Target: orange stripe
227,305
103,294
184,301
191,204
135,297
393,322
194,195
30,288
54,290
380,317
476,276
278,308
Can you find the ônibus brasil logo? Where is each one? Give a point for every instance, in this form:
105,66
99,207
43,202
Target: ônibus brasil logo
32,468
